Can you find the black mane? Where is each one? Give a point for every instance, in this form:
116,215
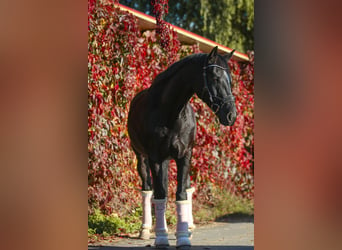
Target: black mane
170,71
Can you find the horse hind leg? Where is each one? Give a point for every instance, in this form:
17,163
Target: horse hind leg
146,226
146,196
144,172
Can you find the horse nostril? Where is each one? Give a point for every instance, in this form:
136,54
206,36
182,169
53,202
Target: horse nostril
230,116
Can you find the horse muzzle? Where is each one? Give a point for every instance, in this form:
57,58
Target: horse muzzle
227,118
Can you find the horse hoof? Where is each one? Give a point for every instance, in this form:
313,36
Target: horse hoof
162,246
183,243
183,247
162,242
144,234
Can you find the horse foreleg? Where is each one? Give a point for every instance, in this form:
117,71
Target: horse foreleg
189,192
160,185
182,201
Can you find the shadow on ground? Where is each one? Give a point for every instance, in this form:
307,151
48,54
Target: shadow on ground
174,248
236,218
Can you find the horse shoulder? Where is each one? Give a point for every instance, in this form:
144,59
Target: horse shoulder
184,132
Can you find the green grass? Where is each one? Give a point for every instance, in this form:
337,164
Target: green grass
224,205
109,225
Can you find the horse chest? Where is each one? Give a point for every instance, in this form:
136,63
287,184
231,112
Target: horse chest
173,142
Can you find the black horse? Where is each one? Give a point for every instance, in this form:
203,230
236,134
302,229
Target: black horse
162,126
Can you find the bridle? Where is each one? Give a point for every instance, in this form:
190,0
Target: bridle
215,107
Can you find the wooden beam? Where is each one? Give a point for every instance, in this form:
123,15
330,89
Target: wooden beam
146,22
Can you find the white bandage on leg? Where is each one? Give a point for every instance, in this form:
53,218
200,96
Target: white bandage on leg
147,215
189,193
182,231
161,226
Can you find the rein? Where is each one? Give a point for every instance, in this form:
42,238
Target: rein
215,107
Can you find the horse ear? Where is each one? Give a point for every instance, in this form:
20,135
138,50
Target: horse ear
212,55
228,56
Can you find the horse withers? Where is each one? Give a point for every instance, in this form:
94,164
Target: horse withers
162,126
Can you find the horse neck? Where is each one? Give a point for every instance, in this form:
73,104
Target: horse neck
176,91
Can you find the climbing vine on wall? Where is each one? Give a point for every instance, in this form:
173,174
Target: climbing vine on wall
121,62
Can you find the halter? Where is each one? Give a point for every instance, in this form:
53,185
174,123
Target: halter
222,101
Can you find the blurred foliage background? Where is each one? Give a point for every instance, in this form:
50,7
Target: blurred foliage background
228,22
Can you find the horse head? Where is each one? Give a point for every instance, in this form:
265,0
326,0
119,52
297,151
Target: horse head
216,89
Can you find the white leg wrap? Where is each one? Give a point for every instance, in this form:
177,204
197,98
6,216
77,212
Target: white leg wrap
147,215
182,231
189,193
161,226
